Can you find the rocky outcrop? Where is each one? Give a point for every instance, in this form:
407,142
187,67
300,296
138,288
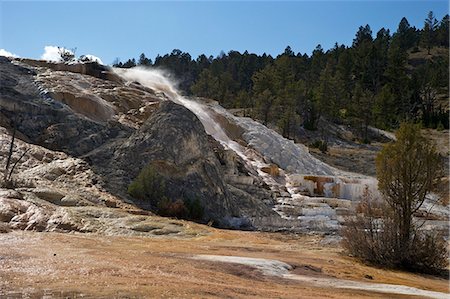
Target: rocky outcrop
45,121
118,128
90,68
174,142
74,108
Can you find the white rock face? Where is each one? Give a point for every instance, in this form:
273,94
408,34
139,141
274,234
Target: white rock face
289,156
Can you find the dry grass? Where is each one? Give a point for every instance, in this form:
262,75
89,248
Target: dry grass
100,266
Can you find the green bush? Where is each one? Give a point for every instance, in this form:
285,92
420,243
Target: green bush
322,145
148,186
373,234
195,209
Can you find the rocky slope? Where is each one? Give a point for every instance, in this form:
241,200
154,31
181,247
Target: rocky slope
87,134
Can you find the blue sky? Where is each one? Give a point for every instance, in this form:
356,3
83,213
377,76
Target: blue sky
111,29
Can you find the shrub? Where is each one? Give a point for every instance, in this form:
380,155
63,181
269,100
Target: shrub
322,145
66,55
429,253
148,186
364,237
195,209
373,236
407,170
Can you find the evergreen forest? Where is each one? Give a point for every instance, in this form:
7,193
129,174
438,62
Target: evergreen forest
380,80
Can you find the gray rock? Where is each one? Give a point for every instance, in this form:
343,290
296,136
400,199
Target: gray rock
49,195
174,142
172,139
44,121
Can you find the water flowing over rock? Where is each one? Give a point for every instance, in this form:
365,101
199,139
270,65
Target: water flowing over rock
261,149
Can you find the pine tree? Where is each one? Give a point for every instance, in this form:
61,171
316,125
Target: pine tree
442,32
380,58
144,61
129,63
384,109
406,171
405,37
429,32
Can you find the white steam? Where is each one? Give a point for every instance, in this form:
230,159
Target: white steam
152,78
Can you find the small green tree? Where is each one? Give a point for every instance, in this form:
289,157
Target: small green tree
406,172
384,232
148,186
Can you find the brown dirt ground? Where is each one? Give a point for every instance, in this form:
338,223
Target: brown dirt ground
59,265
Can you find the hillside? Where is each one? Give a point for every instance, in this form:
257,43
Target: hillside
84,132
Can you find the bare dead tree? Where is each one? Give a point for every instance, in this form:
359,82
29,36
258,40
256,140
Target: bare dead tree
8,171
10,153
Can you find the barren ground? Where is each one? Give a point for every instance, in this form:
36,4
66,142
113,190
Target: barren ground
86,265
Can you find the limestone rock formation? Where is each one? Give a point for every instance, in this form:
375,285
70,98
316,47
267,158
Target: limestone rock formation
174,141
88,134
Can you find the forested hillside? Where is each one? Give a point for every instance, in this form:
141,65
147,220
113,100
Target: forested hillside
381,80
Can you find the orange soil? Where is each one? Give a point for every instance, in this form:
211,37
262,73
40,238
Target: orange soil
70,265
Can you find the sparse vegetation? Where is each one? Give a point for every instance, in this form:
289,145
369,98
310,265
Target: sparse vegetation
7,181
322,145
386,233
149,186
66,54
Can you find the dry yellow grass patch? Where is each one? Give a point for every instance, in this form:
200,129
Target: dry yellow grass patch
105,266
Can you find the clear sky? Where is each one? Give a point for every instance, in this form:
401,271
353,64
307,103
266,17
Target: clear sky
110,29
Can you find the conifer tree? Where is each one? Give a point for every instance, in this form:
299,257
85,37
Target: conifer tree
429,32
406,172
